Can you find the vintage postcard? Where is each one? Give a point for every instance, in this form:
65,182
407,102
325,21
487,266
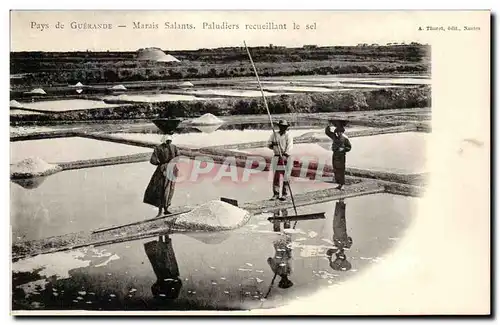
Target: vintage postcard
250,162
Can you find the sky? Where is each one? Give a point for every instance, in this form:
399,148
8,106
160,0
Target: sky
29,30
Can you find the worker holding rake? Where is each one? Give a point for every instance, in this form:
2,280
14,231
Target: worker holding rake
281,143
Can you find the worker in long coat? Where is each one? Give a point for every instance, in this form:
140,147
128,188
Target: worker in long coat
162,258
161,187
340,146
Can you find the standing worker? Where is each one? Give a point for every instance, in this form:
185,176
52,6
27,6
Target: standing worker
161,187
340,146
280,143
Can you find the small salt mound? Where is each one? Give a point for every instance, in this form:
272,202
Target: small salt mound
186,84
207,119
79,84
118,87
31,167
14,103
38,91
213,216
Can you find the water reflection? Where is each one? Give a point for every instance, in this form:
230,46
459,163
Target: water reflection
30,183
336,255
162,257
281,264
208,128
278,219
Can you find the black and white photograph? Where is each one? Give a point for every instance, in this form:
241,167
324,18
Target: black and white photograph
157,165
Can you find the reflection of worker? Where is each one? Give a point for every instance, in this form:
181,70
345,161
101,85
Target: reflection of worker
280,143
281,262
277,220
162,257
340,146
341,240
161,187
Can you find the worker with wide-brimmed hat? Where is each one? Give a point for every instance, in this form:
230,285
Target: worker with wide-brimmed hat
340,146
281,143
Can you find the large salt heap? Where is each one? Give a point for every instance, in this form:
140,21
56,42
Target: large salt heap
32,167
154,54
186,84
213,216
206,119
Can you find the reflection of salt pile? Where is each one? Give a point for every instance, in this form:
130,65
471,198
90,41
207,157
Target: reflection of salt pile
37,91
210,238
15,104
32,167
213,216
154,54
29,183
118,87
208,128
206,119
186,84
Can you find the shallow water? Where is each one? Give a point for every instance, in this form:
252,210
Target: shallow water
231,92
154,98
299,88
92,198
66,105
397,153
231,272
69,149
215,138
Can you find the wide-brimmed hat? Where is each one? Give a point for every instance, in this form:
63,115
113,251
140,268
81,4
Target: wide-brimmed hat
339,122
285,283
283,123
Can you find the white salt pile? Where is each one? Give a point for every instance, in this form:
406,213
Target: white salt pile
186,84
15,104
206,119
31,167
79,84
118,87
38,91
213,216
155,54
